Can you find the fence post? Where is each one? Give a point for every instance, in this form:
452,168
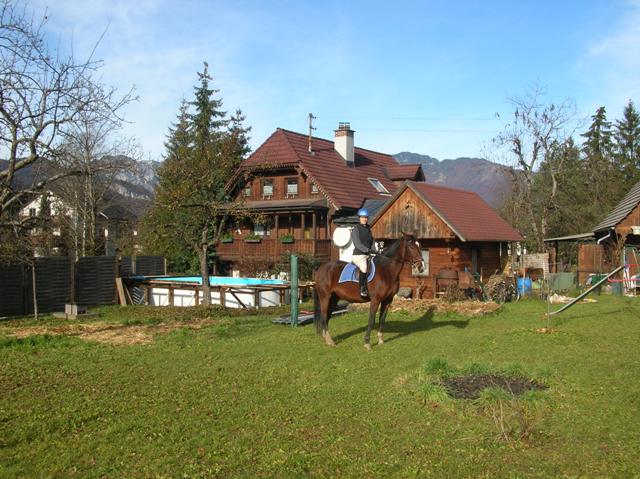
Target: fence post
294,290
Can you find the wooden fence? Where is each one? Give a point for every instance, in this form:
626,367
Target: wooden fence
92,278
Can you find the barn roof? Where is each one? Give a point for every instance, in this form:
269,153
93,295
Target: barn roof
343,186
469,216
405,172
620,212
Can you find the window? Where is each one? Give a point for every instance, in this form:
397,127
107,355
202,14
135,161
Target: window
32,212
425,265
292,186
378,186
247,189
267,187
261,230
314,189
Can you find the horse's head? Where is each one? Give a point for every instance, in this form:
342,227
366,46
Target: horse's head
412,253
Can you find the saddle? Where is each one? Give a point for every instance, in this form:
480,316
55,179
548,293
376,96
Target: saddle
351,273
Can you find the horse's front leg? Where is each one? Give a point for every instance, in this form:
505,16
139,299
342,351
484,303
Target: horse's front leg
384,308
327,306
373,309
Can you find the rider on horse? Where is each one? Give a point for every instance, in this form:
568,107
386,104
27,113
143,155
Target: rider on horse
363,246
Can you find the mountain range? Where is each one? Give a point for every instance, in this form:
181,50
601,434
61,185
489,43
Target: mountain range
481,176
488,179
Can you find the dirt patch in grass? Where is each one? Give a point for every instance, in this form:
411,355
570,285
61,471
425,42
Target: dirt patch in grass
470,386
108,332
466,308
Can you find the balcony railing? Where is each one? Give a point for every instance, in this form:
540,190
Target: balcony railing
272,248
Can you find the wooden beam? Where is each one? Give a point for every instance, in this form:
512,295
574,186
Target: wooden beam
122,299
238,299
313,226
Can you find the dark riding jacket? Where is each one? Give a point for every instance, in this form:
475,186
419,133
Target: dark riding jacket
362,239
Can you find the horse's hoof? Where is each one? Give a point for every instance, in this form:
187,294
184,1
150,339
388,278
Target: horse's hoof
367,347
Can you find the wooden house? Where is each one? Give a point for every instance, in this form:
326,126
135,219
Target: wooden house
302,185
613,242
457,230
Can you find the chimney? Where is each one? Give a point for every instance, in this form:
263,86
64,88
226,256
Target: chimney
343,143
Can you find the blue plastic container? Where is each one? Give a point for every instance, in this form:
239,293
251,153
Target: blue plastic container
524,286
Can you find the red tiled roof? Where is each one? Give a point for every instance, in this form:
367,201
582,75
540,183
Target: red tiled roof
405,172
344,186
469,216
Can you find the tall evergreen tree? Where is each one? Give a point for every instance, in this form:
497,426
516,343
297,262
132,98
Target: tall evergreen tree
157,226
192,207
601,177
626,134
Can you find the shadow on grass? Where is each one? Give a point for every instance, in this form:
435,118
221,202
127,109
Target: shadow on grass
404,328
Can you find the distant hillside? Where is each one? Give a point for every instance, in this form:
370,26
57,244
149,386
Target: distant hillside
131,189
481,176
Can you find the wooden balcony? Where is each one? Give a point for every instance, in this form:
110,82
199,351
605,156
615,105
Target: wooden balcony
273,249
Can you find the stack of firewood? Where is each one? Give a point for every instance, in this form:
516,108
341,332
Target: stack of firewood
501,288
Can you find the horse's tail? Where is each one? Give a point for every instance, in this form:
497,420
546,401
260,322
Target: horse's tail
317,314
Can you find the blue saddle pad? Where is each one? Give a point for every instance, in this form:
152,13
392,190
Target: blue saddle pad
350,272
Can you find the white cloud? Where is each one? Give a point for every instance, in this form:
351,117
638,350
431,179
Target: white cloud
611,65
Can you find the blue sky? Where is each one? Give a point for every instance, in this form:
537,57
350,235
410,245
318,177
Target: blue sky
427,77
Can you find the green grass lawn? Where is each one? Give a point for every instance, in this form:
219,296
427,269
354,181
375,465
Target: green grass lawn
241,397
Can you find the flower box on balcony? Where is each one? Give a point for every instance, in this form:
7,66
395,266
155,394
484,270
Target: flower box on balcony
286,239
226,240
253,239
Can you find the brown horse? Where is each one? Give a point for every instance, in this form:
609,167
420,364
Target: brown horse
382,287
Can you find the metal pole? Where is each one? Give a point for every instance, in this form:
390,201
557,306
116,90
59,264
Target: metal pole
294,290
568,305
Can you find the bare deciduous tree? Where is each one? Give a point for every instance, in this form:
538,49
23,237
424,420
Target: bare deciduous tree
531,140
42,94
101,159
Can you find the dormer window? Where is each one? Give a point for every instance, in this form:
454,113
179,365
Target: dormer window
267,188
247,190
292,186
314,189
375,182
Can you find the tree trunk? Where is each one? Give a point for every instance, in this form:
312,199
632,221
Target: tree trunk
204,273
33,286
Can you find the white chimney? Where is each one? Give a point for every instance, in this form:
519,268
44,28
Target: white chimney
343,143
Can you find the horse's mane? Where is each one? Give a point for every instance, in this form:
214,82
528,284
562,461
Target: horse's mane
391,250
385,256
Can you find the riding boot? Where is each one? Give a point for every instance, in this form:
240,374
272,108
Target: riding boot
363,285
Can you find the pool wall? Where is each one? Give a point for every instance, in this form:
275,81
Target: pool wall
233,297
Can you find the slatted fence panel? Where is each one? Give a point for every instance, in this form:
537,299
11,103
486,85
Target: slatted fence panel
12,290
126,266
53,284
150,265
96,280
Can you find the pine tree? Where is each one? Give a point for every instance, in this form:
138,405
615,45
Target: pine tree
157,226
192,207
627,146
601,177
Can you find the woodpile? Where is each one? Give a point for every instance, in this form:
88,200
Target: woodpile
500,288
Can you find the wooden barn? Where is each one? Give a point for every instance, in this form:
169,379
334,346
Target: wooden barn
457,231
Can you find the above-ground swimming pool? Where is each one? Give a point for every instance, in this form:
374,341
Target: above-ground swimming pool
225,290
